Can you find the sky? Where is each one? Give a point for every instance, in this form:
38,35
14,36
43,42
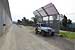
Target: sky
25,8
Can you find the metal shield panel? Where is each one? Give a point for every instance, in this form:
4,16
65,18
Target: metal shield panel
49,9
36,13
42,12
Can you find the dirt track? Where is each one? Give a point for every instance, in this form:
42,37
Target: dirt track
23,38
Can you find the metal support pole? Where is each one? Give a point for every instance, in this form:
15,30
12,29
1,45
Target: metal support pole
59,24
48,20
40,15
46,14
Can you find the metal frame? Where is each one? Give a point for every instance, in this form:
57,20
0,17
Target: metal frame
47,15
40,15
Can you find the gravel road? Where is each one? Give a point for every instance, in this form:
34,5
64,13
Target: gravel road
56,41
27,41
24,38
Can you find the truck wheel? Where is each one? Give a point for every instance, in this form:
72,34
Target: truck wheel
52,34
36,31
43,33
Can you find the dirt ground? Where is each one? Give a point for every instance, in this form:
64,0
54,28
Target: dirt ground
23,38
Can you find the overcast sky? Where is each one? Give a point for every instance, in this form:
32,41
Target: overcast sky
25,8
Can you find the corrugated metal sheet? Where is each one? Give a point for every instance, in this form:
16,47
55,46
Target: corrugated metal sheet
50,9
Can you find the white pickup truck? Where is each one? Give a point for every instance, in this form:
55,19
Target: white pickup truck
44,29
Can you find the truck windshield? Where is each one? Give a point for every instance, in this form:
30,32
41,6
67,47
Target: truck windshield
44,25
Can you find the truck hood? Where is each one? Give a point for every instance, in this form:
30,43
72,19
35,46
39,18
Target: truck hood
47,28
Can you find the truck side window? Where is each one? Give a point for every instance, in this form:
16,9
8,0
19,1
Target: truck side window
37,25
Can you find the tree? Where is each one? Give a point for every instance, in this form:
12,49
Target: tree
64,21
24,18
69,21
19,22
34,20
24,21
30,23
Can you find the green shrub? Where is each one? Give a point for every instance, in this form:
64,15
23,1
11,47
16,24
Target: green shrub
70,35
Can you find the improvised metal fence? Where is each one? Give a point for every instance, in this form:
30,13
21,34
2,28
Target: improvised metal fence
48,11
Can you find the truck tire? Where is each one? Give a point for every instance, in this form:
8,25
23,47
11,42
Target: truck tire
43,33
36,31
52,34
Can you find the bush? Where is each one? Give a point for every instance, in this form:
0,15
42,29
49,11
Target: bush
70,35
